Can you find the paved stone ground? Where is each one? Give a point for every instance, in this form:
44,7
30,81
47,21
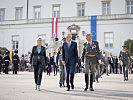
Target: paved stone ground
22,87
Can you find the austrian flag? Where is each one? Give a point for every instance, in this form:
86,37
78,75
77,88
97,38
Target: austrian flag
54,27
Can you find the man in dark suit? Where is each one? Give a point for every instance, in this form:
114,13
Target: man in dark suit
116,64
111,62
50,62
55,67
69,59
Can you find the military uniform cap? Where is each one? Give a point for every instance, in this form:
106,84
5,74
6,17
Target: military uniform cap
7,52
16,51
123,46
89,34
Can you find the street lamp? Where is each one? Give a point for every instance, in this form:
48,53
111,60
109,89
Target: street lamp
74,30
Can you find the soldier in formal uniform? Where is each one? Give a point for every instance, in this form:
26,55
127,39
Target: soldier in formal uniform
6,61
91,53
0,62
15,61
61,67
124,58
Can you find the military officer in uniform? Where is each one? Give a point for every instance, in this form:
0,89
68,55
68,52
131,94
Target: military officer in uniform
91,53
15,61
124,58
6,61
0,62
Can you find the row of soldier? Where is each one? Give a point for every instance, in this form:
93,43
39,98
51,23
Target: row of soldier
8,63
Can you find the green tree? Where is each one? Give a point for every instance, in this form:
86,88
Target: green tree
129,45
3,50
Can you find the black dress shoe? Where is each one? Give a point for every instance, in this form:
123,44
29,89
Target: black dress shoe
85,89
68,89
72,87
91,89
60,85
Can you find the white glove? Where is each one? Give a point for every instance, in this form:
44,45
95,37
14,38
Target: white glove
82,63
99,61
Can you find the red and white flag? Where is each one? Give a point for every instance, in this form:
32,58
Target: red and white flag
54,27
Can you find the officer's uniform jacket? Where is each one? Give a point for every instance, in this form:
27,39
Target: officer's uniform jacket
124,57
91,52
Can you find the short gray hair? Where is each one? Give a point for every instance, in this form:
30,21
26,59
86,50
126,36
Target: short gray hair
69,35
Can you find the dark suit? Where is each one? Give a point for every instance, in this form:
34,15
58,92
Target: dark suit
70,56
50,62
111,64
116,65
39,61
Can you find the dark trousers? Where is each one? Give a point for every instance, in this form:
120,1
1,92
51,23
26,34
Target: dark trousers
15,69
49,70
0,68
69,76
55,69
112,68
116,68
38,70
6,68
125,71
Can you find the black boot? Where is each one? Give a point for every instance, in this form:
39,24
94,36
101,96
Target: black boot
91,83
86,81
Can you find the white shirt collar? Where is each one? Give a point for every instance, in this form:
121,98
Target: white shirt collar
89,42
69,42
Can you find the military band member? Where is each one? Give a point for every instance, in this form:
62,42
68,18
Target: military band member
15,61
124,58
6,61
91,53
0,62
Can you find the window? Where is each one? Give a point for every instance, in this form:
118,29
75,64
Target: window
129,7
15,40
43,39
18,13
37,10
56,11
81,9
108,38
106,8
2,14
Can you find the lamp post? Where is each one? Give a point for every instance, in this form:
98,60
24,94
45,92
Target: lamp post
74,30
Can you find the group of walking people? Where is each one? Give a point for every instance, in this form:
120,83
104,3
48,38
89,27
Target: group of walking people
67,60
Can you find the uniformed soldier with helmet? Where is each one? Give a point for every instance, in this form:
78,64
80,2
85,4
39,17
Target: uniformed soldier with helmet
91,54
124,58
15,61
0,62
6,61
